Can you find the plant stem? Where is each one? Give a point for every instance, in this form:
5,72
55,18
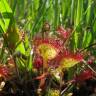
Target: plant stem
66,89
89,66
91,45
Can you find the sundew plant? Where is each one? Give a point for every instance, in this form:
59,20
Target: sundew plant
47,47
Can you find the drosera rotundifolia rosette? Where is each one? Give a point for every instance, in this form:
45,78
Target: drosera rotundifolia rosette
52,57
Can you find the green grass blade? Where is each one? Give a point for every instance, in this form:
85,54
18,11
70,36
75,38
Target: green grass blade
77,21
4,10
